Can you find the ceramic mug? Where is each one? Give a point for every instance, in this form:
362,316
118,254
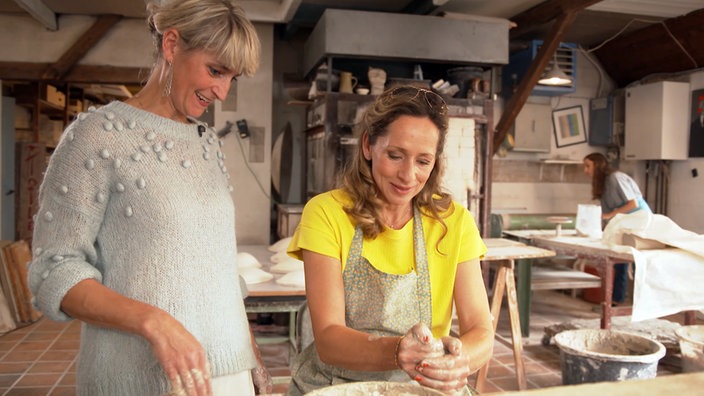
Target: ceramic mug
347,82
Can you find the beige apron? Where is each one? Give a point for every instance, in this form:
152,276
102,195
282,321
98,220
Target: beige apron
375,303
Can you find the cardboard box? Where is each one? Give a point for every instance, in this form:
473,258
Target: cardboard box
53,96
23,118
50,131
75,106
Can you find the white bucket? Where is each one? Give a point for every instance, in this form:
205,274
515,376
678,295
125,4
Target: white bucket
692,346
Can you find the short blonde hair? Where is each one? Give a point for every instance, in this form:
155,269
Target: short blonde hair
212,25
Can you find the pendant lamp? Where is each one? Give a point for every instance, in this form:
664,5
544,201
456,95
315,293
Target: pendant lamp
555,76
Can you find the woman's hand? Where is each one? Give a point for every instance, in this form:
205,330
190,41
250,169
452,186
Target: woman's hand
437,364
181,356
261,377
415,346
448,372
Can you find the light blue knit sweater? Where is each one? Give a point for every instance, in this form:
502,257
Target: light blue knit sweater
142,204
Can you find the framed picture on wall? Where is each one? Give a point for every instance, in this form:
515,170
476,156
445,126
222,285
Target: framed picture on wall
696,129
569,126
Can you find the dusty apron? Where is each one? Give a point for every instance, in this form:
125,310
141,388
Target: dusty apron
375,303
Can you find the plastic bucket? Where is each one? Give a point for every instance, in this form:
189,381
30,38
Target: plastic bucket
589,355
691,340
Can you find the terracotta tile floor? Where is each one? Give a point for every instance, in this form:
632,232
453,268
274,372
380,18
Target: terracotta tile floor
40,359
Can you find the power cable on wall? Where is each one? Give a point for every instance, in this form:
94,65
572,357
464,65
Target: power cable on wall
225,131
664,25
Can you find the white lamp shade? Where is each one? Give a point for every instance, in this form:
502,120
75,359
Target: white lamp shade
555,76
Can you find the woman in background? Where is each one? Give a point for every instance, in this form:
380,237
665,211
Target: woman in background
135,235
387,255
618,193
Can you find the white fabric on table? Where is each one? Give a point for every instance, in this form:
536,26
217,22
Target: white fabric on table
667,281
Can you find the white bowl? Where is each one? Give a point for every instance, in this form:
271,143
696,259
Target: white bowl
362,91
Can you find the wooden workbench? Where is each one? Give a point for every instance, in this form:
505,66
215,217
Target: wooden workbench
270,297
602,256
505,252
676,384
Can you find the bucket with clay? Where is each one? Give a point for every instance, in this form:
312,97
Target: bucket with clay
375,388
588,355
691,340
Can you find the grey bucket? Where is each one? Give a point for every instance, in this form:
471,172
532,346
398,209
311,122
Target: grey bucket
589,355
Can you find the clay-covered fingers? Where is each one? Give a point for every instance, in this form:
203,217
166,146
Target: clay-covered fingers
415,346
452,345
420,338
191,382
446,373
176,386
262,380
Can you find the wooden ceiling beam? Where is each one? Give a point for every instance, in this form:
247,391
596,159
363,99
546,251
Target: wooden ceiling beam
80,48
655,49
535,70
89,74
564,13
545,12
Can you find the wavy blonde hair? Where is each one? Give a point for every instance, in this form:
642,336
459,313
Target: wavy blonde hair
212,25
356,179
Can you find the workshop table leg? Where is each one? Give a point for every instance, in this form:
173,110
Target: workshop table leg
498,295
607,285
514,321
505,281
523,274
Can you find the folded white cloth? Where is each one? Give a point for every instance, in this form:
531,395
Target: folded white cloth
667,281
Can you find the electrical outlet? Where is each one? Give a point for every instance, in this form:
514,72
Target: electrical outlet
242,128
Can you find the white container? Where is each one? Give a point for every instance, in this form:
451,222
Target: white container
657,121
691,340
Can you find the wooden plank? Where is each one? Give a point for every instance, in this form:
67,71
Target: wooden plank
555,278
516,335
535,70
30,71
671,47
30,166
19,256
81,47
546,12
499,287
7,284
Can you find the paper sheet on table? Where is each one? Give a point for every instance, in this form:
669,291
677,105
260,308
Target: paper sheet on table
667,281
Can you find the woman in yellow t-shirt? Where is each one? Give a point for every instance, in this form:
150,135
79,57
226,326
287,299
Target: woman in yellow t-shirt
387,254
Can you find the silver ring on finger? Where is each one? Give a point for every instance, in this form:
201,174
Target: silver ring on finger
188,380
198,376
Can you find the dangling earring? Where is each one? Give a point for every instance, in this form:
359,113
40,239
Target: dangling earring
169,79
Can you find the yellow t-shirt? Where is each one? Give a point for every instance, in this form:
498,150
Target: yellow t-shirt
326,229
